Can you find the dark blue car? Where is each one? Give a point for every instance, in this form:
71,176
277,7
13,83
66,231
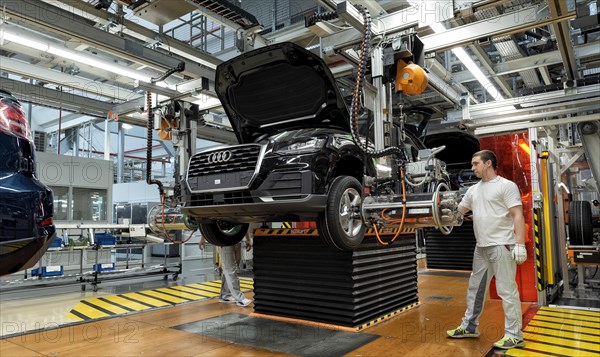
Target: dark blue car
26,209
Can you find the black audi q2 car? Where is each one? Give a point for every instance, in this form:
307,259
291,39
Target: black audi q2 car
26,227
296,160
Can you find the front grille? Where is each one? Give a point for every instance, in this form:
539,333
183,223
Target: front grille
224,169
226,198
243,158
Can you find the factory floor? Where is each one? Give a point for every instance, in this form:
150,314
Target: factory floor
181,329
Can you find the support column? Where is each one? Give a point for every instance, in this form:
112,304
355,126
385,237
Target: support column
107,139
120,152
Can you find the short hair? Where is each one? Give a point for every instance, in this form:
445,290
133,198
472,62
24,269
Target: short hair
486,155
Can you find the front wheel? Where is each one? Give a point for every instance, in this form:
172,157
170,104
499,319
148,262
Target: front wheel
341,226
224,233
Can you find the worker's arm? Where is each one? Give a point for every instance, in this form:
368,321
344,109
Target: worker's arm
463,210
516,213
202,243
248,242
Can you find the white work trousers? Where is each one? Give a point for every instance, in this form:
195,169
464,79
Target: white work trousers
230,282
488,262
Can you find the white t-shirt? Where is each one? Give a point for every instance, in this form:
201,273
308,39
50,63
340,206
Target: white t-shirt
490,201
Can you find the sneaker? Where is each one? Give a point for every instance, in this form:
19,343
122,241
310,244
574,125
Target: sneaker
508,342
460,332
227,299
245,302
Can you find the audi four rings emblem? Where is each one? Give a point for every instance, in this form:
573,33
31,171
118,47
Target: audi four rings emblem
221,156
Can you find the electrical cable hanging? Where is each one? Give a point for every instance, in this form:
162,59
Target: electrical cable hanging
365,46
180,67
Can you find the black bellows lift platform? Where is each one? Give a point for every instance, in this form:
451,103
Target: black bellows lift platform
297,276
454,251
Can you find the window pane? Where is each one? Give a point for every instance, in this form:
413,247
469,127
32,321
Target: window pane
61,200
89,204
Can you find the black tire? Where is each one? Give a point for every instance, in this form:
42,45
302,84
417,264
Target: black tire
580,223
223,233
341,226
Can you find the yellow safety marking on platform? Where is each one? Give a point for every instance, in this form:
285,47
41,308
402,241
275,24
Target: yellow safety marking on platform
165,297
562,327
214,284
518,352
206,287
386,317
247,281
146,299
130,304
572,311
106,306
566,316
179,293
558,350
194,291
244,284
72,316
565,321
563,334
90,312
286,225
561,341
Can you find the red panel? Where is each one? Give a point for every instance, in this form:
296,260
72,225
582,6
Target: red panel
512,151
304,225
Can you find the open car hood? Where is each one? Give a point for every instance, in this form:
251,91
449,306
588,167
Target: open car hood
279,87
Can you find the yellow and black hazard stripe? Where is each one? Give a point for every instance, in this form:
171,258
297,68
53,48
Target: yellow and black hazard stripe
386,316
561,331
262,232
108,306
286,225
537,233
388,230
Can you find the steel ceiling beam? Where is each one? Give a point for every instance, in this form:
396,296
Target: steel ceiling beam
94,88
142,33
505,24
496,129
388,24
61,22
54,98
534,61
562,31
486,63
528,104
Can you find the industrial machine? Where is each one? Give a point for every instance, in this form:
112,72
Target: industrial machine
304,156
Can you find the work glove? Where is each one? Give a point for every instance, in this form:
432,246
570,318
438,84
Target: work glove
519,253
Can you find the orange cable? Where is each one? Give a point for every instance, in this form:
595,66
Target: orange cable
394,220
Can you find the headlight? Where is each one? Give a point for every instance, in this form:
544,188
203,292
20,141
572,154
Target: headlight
310,145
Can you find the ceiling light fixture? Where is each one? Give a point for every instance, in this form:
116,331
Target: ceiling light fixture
72,55
468,62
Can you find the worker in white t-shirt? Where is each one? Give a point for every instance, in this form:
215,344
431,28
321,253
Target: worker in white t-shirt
499,228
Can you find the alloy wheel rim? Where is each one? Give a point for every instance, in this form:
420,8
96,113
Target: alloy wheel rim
350,222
